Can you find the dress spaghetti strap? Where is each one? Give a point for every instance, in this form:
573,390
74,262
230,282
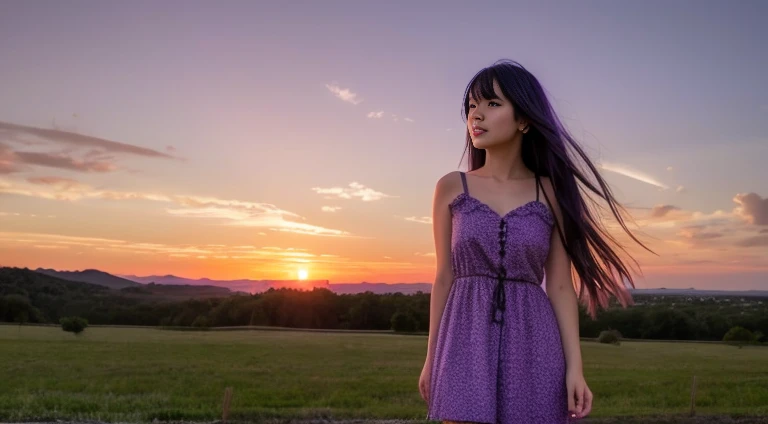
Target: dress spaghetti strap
537,184
464,182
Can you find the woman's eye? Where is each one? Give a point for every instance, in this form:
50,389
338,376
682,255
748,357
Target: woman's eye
493,103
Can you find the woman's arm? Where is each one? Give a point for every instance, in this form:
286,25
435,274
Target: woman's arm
445,190
559,286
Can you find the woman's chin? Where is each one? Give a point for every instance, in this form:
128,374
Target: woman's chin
483,144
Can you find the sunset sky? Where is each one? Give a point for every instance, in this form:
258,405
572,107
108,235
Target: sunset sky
256,139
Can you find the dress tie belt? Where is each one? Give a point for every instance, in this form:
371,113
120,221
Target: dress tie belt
499,295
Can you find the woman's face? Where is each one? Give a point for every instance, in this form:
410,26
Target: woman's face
491,121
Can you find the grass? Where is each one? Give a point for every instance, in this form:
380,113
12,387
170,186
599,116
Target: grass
140,374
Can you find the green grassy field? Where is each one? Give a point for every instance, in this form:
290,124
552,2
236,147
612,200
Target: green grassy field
134,374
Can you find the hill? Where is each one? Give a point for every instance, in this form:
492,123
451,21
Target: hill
92,276
92,282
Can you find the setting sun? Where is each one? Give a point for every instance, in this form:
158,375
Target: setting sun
303,274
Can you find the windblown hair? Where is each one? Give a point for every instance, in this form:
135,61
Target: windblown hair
548,149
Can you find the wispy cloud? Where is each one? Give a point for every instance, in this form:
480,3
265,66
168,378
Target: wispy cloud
217,251
64,161
7,160
56,148
331,208
376,115
227,211
14,131
63,183
661,210
354,190
722,233
637,175
698,232
755,241
344,94
31,215
249,214
420,220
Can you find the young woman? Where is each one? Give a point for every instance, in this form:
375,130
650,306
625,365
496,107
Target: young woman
501,349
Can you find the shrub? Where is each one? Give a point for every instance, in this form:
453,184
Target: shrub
739,336
610,337
73,324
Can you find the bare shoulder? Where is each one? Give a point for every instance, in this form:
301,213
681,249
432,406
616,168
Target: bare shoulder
448,187
450,180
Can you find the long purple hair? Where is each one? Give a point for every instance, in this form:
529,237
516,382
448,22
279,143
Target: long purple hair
548,148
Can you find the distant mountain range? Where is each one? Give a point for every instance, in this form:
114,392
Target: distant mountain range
258,286
92,276
137,289
246,286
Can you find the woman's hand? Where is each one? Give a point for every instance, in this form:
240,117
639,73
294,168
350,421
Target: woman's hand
579,395
424,381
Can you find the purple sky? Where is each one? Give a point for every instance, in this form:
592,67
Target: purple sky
254,139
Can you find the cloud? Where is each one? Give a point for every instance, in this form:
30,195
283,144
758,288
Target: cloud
344,94
72,151
431,254
64,162
216,251
231,212
353,190
685,238
659,211
755,241
409,120
376,115
698,232
752,208
249,214
14,131
680,189
63,183
637,175
7,160
331,208
421,220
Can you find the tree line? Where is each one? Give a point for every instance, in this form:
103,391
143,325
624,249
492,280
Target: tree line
26,296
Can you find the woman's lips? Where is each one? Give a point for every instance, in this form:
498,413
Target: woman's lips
476,132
